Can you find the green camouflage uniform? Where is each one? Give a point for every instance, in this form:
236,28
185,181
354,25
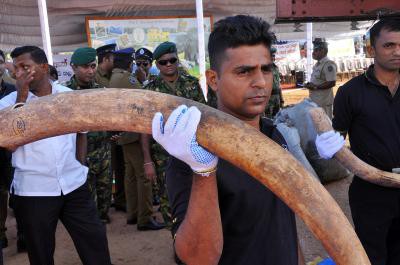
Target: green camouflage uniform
185,86
276,100
98,160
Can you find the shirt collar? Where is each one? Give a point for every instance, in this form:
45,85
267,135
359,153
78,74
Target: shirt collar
54,89
371,78
101,72
370,75
323,60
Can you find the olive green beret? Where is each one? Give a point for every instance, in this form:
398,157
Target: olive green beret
82,56
164,48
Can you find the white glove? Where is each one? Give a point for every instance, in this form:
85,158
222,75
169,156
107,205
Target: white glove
178,137
329,143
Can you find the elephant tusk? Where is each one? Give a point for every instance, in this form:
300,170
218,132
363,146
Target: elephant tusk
352,162
222,134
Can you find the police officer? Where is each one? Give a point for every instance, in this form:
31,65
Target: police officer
138,189
323,78
144,60
105,58
276,100
176,82
83,62
120,78
121,74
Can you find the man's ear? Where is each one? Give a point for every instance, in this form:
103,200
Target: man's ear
212,77
74,67
45,68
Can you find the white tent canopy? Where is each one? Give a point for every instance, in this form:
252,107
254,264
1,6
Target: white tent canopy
20,25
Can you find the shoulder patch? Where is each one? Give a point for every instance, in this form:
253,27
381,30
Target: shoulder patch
330,68
132,79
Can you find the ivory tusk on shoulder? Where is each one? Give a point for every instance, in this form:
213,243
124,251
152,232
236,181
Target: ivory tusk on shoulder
222,134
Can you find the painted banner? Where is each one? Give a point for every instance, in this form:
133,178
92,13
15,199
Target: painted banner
341,48
62,64
289,52
147,32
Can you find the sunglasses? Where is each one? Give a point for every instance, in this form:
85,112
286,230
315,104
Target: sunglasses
145,64
165,62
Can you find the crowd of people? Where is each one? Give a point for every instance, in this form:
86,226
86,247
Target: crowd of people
216,212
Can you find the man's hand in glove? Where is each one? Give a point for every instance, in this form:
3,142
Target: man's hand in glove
178,137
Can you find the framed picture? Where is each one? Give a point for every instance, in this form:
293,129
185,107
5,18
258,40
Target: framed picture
149,32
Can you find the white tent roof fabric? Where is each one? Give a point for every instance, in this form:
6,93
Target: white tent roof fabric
20,25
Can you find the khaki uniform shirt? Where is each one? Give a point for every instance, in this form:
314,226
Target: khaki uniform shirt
122,79
102,78
323,71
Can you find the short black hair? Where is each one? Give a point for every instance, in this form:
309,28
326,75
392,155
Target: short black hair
53,72
235,31
389,24
123,61
37,54
2,54
102,56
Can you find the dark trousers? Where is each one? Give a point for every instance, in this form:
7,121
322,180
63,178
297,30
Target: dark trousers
376,215
117,164
77,211
6,175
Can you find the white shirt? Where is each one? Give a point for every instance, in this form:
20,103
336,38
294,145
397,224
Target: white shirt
46,167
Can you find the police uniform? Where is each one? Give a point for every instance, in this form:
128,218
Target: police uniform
185,86
99,146
103,78
138,189
323,71
146,54
121,78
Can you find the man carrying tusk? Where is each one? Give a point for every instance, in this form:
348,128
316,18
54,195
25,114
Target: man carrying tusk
220,214
50,180
368,108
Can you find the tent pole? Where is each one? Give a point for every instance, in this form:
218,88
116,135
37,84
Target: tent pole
201,47
44,26
309,50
